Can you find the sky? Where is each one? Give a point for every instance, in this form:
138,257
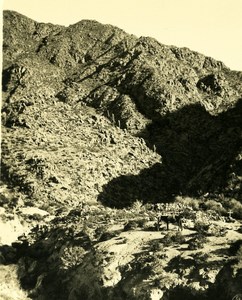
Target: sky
211,27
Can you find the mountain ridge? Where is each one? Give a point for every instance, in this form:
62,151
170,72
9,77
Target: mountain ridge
133,82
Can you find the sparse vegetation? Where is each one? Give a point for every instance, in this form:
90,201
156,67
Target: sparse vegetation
215,206
172,238
131,225
156,246
71,257
236,207
197,242
216,230
189,202
201,226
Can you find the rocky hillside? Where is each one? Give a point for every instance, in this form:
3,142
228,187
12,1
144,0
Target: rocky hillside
182,105
92,115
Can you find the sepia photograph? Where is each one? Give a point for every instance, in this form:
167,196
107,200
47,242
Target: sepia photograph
121,150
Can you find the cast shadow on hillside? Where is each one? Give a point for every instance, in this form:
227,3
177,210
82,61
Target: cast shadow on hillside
197,152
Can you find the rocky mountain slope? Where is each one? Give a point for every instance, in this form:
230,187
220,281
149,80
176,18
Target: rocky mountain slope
182,104
91,114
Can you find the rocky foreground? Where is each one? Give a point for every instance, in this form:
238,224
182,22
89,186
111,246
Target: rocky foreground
98,124
101,253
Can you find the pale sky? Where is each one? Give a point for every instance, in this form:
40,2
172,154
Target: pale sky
211,27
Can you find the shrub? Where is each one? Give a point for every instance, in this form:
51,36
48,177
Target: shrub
215,206
99,231
173,238
142,223
200,258
188,202
212,215
102,233
75,213
137,206
71,256
36,217
216,230
105,236
156,245
131,225
235,247
201,226
197,242
236,208
135,223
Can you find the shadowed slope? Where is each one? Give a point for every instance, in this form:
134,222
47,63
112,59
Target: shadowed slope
199,154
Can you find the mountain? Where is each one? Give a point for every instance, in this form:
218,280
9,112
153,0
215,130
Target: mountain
181,103
93,115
